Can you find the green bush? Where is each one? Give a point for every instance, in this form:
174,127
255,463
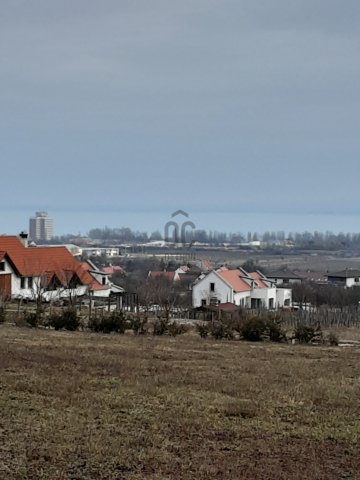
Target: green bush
67,319
55,321
175,329
71,320
138,325
274,331
115,322
253,329
220,330
32,319
161,326
202,329
307,334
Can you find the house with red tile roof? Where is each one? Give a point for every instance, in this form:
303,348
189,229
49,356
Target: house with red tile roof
52,272
241,288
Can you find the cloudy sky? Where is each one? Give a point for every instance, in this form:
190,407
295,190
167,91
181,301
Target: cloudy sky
121,111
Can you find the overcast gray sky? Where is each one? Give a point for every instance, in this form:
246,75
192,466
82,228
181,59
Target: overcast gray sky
147,106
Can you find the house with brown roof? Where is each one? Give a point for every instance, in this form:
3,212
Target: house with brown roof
241,288
52,272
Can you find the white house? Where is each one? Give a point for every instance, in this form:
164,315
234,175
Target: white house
346,278
243,289
50,272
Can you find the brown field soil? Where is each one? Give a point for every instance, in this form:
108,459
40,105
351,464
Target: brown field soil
87,406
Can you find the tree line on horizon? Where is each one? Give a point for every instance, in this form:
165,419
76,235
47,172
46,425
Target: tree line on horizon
311,240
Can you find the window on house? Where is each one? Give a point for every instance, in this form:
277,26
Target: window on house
22,282
357,279
2,266
104,280
30,282
203,302
212,287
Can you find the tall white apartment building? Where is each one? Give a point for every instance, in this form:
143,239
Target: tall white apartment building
41,227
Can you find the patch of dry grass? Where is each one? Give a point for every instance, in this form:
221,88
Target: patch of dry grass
88,406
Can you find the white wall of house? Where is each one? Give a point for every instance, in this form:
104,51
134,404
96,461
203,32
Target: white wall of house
212,287
16,285
98,251
281,281
8,270
202,290
100,277
21,287
102,293
30,292
283,297
346,282
64,293
267,296
352,282
242,299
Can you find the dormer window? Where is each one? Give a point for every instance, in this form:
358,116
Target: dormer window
2,266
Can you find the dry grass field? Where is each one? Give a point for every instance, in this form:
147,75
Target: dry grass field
86,406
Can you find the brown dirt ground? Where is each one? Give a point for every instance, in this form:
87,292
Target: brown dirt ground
85,406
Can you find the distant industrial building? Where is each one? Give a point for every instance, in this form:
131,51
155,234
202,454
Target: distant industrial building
41,227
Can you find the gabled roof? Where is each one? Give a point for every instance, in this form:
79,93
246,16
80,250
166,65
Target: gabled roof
260,280
348,273
46,262
284,274
235,280
112,270
242,281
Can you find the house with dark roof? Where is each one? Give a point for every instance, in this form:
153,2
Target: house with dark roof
345,278
239,287
284,277
52,272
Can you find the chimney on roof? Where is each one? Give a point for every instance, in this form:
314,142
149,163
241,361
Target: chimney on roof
24,238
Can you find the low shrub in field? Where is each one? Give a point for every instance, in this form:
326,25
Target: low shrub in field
253,329
138,325
332,339
221,330
202,329
274,331
161,326
307,334
70,319
175,329
2,315
67,319
32,319
115,322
